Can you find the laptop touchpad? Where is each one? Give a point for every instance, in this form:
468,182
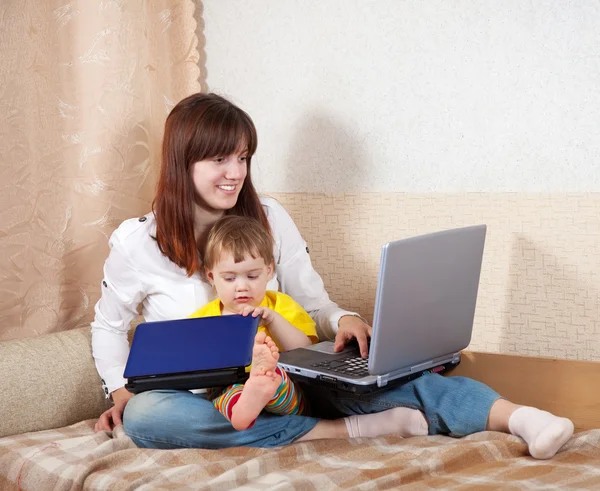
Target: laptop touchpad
327,348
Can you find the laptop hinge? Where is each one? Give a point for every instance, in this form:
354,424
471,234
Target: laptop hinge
421,366
383,380
441,359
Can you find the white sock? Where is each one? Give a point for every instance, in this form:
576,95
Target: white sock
543,432
401,421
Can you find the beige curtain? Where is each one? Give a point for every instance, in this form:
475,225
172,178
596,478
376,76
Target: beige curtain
85,87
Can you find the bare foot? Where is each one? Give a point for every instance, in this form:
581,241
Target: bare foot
262,385
265,355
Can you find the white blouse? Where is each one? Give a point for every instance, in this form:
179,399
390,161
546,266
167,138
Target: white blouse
136,272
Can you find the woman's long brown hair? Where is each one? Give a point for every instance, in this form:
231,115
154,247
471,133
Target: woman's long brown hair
201,126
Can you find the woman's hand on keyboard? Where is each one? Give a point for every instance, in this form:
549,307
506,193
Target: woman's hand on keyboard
353,327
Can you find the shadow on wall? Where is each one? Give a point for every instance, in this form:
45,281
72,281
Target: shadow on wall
199,16
327,157
550,306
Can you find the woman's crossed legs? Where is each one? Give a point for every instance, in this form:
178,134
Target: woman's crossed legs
454,406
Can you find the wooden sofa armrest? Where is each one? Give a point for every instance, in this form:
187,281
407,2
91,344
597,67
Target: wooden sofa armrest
564,387
48,381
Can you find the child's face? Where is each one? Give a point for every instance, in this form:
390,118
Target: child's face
240,284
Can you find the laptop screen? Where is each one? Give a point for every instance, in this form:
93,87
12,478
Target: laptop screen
190,345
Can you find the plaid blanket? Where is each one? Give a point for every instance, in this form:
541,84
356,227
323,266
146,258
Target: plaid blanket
77,458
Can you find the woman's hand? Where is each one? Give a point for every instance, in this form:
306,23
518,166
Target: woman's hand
351,327
114,416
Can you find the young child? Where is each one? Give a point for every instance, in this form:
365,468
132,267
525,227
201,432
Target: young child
239,263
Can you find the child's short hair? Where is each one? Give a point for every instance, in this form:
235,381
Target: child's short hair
240,237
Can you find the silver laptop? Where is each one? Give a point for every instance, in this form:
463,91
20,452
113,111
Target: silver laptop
424,310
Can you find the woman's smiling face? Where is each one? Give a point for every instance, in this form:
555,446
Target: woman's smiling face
219,180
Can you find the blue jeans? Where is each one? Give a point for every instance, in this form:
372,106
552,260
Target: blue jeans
454,406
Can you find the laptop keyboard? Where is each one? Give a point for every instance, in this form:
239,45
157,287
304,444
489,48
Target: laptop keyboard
351,366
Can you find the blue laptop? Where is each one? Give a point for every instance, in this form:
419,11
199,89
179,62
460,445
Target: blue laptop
190,354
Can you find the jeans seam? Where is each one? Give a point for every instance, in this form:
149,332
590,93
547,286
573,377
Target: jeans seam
133,435
382,404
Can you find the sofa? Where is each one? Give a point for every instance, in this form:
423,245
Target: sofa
51,395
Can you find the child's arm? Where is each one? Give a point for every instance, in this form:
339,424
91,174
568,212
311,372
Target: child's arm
287,336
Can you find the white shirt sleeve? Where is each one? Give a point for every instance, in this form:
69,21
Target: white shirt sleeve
122,293
296,275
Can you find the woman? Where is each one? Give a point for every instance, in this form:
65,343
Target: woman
154,261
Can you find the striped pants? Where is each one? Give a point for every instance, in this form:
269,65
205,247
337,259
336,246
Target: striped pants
287,400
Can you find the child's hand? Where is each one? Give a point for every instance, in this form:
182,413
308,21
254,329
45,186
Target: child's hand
268,316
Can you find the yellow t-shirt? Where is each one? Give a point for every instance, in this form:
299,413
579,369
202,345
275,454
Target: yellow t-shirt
278,302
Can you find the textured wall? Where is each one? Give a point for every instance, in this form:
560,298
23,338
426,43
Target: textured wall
419,116
540,285
392,95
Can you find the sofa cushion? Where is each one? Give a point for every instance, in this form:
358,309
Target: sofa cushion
48,382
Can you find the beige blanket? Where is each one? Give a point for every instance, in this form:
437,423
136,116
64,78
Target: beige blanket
76,458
